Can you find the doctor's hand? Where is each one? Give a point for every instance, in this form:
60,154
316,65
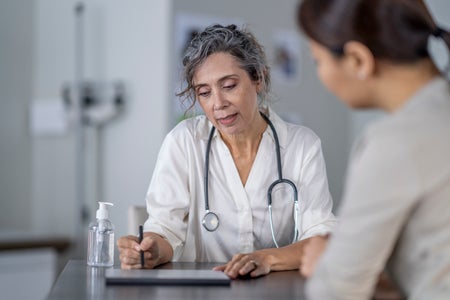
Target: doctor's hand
253,264
157,250
312,251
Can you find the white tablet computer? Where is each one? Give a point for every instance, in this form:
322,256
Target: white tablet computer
166,277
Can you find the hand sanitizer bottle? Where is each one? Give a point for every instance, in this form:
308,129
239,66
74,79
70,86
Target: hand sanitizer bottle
100,252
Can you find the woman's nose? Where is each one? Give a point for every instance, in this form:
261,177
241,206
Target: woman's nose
219,101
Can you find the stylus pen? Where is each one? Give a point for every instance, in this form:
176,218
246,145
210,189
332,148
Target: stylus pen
141,236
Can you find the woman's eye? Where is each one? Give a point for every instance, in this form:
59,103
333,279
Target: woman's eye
203,94
229,86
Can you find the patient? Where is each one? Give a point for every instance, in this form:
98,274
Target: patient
396,207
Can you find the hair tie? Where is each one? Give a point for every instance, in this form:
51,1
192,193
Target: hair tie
438,32
439,51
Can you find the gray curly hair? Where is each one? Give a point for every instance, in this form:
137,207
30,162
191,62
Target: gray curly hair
240,43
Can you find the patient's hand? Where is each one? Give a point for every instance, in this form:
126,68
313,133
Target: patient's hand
312,251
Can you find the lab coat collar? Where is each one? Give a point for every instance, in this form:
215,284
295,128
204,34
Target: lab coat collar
280,127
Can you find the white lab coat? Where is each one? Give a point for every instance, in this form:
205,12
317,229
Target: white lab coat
176,202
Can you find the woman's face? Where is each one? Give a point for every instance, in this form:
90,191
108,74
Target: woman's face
339,78
226,94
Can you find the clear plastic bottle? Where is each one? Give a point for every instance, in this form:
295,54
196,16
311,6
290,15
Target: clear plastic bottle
100,252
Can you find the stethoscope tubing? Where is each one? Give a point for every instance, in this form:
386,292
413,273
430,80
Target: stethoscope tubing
206,176
211,221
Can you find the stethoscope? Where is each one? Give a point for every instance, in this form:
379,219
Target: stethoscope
211,220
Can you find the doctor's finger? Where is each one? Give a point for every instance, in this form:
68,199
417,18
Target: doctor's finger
148,244
220,268
126,266
249,266
128,241
234,264
241,267
129,262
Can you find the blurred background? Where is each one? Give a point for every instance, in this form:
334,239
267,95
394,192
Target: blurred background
88,94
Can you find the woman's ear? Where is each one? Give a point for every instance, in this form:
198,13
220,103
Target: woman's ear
258,85
359,59
261,83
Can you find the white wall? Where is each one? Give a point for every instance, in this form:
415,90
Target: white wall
15,86
124,40
441,12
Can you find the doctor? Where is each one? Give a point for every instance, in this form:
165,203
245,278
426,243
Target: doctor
208,199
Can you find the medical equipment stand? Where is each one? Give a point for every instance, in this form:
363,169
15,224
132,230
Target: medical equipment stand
89,104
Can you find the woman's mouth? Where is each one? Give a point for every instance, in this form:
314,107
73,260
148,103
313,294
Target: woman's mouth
227,120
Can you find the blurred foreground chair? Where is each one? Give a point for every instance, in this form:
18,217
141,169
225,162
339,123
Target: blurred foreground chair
137,215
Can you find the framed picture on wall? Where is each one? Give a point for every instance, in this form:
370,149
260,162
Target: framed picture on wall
286,57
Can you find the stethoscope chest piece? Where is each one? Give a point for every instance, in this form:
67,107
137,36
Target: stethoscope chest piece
210,221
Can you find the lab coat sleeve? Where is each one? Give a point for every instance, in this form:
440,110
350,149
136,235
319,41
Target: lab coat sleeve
316,204
375,207
168,196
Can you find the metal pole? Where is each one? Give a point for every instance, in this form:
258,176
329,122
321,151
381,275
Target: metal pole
78,128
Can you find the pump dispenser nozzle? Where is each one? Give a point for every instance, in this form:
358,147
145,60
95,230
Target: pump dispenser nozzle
102,212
